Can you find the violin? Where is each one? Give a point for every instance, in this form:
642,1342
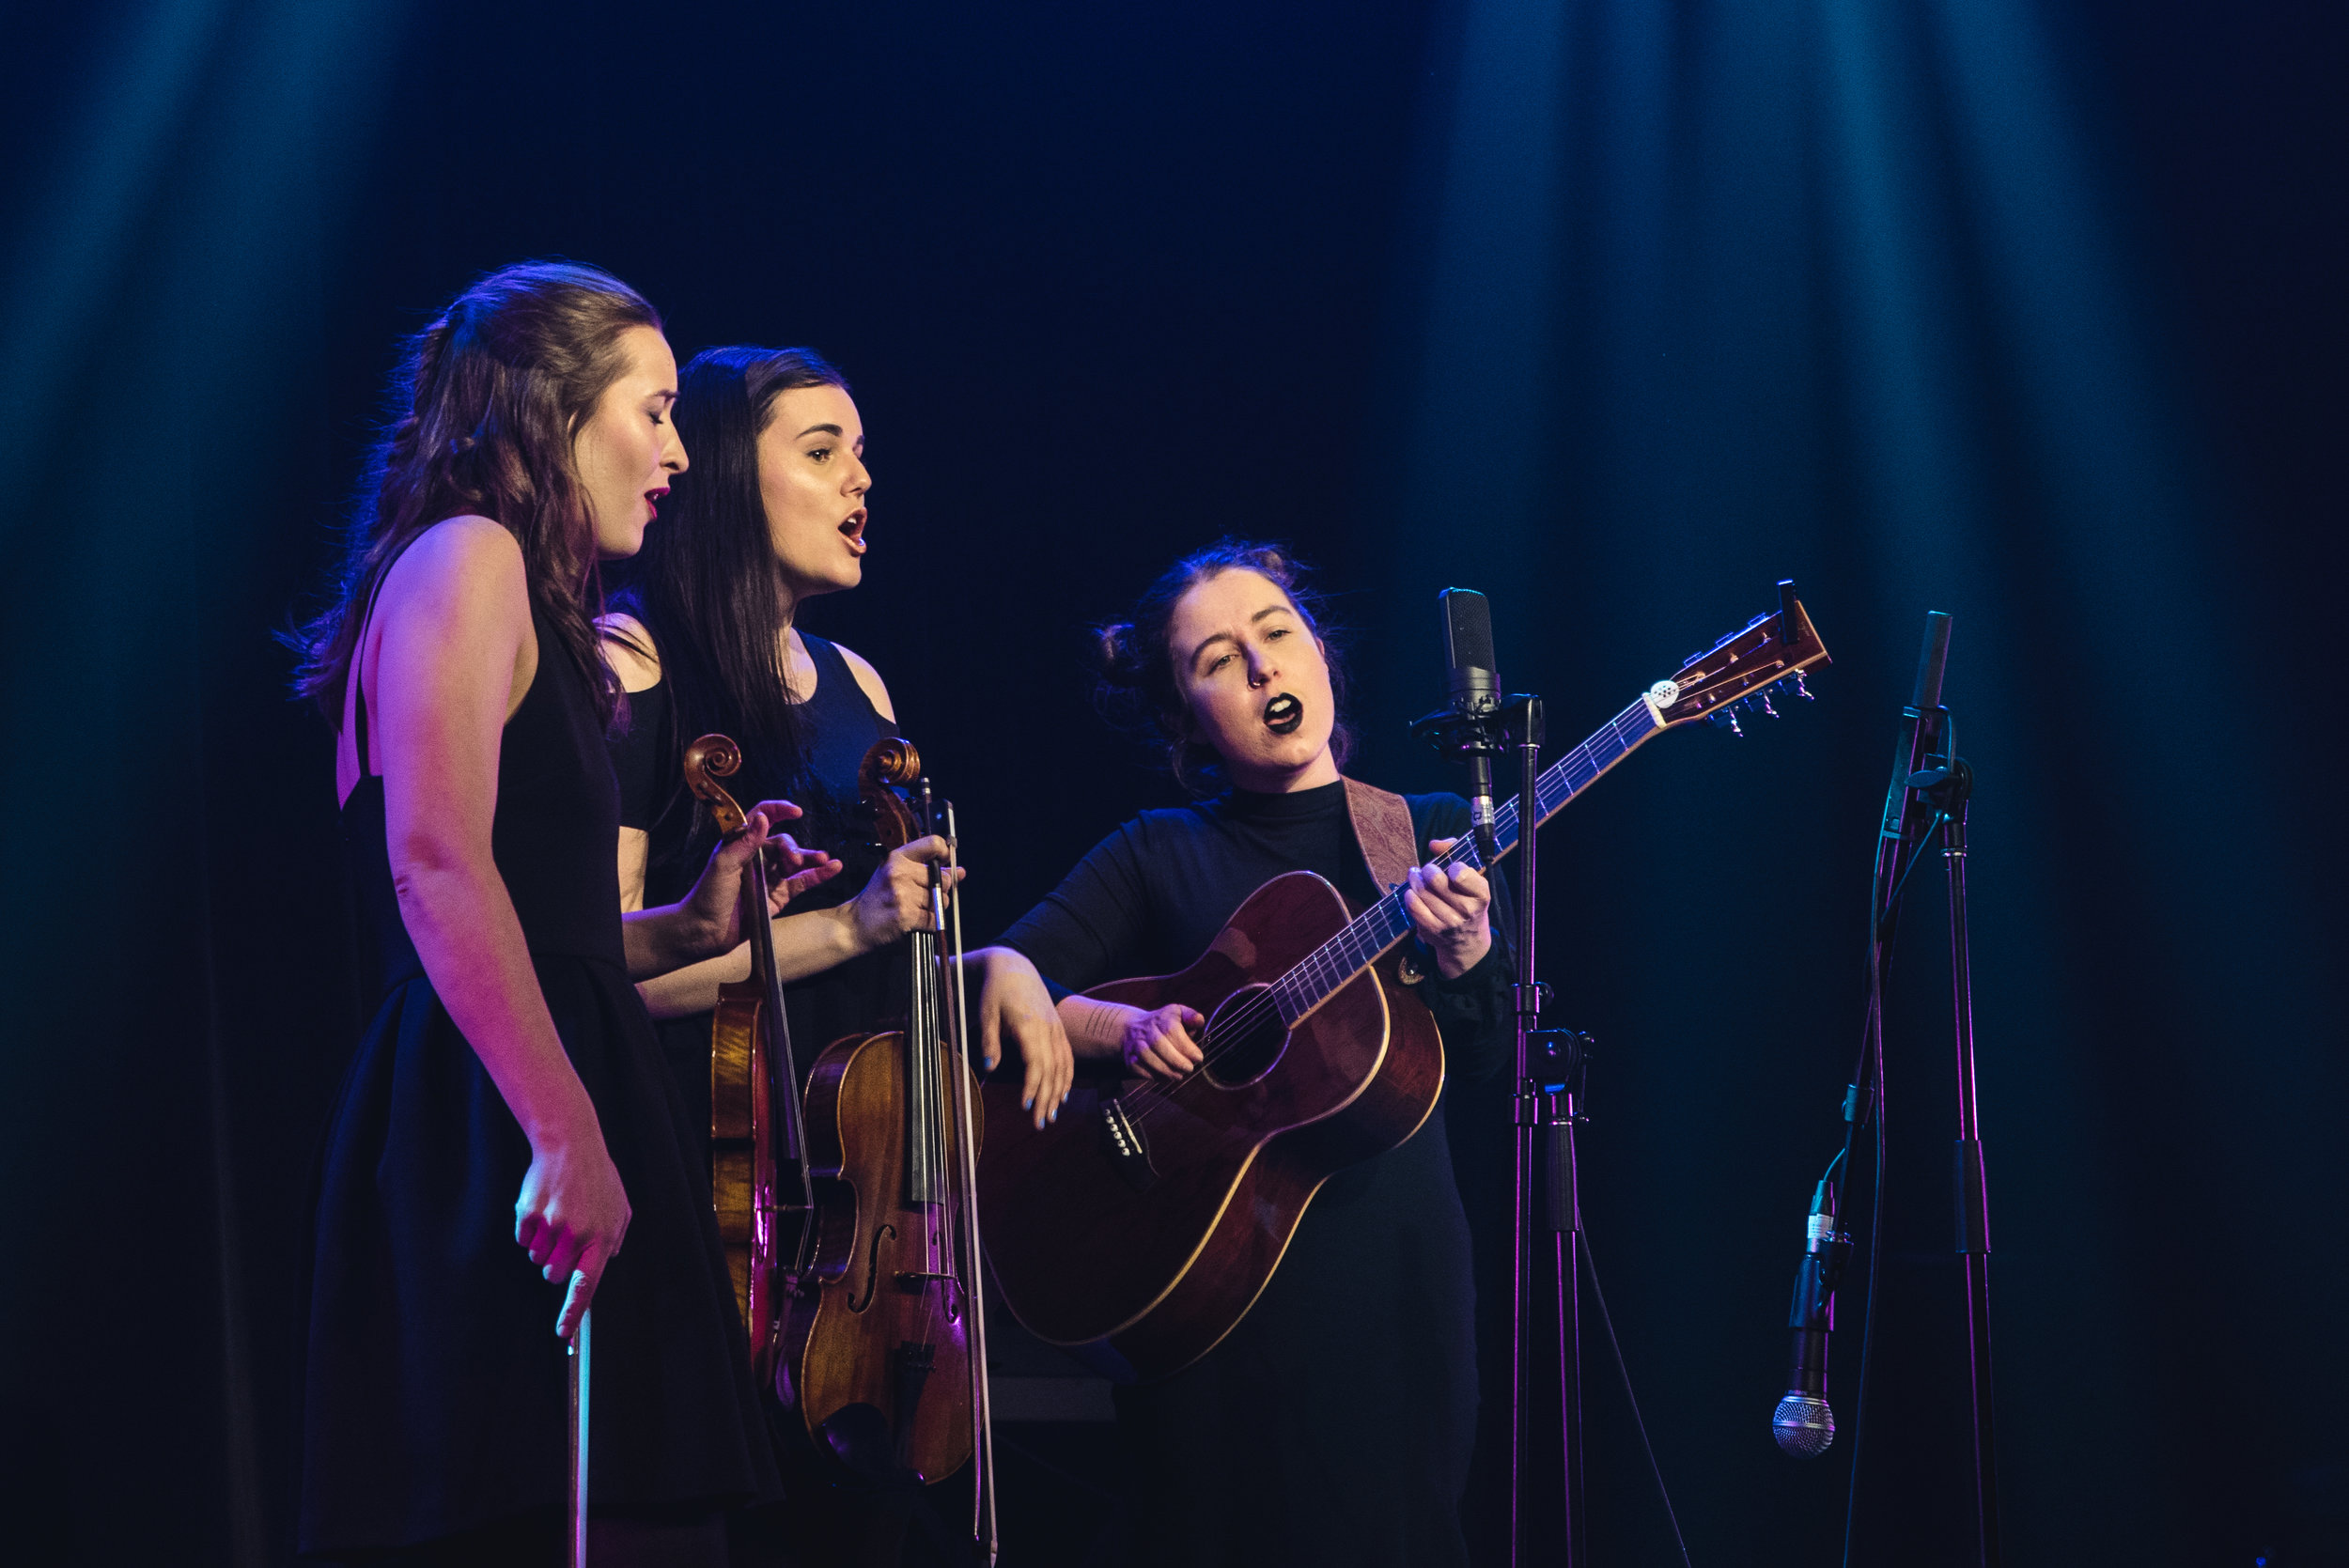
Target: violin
751,1071
885,1342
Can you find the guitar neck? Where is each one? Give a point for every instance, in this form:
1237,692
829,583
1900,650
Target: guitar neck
1386,923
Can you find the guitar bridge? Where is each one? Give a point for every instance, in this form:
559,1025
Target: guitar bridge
1122,1141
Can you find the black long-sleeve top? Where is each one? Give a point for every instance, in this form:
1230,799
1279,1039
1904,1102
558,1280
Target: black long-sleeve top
1335,1423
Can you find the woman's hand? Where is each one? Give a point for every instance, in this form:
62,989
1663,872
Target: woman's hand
572,1216
897,899
714,906
1451,907
1157,1044
1013,1001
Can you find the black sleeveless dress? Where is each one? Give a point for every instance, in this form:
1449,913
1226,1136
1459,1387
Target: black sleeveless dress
839,724
436,1392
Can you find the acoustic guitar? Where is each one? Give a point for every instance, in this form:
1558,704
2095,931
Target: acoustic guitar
1137,1228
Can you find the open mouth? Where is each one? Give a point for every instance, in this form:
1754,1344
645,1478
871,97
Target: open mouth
852,530
1283,714
652,501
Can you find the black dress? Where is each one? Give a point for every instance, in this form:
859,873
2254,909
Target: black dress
1335,1425
436,1391
838,725
824,1520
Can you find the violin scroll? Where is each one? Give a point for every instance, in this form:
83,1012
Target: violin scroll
718,755
888,765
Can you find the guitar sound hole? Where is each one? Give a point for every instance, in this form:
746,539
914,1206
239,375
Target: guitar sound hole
1245,1038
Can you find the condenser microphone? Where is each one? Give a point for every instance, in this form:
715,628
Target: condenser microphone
1473,691
1803,1424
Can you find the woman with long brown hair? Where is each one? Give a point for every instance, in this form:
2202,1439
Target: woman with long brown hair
506,1147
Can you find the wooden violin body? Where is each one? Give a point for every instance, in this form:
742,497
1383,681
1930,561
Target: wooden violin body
878,1350
742,1170
748,1040
883,1342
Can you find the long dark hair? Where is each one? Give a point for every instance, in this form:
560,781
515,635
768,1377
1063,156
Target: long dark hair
1135,688
706,585
481,415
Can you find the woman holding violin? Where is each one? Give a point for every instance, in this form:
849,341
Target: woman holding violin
506,1147
706,640
1334,1423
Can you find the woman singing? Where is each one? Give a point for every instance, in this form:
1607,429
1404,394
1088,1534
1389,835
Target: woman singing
1334,1424
774,515
506,1146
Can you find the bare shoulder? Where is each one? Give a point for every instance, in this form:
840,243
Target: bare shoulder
868,680
629,649
469,567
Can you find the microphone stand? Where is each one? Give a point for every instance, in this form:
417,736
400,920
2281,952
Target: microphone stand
1950,793
1551,1066
1931,788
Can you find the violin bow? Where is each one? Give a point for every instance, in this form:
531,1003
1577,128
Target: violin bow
583,1367
982,1523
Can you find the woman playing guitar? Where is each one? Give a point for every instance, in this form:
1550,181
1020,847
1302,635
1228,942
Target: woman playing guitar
1334,1423
775,514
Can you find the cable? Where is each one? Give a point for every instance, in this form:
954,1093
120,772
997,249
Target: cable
1590,1267
1868,1320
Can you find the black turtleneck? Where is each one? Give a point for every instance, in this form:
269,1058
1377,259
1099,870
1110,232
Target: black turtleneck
1335,1423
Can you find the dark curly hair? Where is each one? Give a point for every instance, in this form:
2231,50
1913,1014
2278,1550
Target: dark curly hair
1135,689
482,413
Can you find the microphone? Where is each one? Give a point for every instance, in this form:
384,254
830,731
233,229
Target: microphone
1473,691
1920,723
1803,1424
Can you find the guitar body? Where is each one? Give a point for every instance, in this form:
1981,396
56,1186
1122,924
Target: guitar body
1141,1225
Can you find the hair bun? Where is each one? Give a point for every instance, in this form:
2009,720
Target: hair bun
1115,651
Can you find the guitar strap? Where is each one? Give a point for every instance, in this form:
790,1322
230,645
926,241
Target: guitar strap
1383,828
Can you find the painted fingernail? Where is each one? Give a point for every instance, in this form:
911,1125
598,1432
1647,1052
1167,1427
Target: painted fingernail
1027,1104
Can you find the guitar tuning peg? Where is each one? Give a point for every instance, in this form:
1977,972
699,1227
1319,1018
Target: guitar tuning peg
1800,690
1765,706
1727,718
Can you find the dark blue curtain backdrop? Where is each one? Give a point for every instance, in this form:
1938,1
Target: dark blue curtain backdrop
1619,311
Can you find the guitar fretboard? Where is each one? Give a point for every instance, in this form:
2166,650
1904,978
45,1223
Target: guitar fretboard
1387,921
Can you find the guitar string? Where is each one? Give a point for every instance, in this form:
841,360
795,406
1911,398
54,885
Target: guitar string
1339,960
1644,723
1360,942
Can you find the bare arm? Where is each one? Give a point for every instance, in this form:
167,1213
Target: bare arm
1014,1005
693,936
707,921
894,902
805,944
1157,1043
452,651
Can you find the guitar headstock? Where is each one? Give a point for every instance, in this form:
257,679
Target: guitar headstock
1741,668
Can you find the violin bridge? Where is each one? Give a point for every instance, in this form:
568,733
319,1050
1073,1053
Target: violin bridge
912,1284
